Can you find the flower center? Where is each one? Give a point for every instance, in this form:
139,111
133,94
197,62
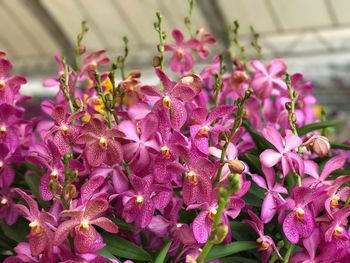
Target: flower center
103,142
64,129
84,225
3,130
165,151
54,175
180,53
92,66
264,245
334,201
188,80
192,177
139,200
212,213
166,102
4,202
204,131
338,231
2,84
300,213
35,227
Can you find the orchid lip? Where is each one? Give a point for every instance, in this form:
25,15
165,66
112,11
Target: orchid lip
103,142
192,177
300,213
3,130
84,225
2,84
4,202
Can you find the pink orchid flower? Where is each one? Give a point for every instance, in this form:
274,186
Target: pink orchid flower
9,85
300,222
272,195
182,60
174,95
267,80
100,143
141,202
141,141
267,245
285,153
81,223
41,224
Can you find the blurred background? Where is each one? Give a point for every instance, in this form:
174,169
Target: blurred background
313,36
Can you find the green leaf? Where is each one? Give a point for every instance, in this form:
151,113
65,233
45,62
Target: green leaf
122,224
162,254
230,249
253,161
242,231
105,253
251,199
317,126
33,181
16,232
335,145
238,260
260,141
121,247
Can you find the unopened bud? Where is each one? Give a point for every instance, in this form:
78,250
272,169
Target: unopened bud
235,182
321,146
82,49
109,101
220,233
73,174
54,185
187,20
236,166
160,48
156,61
71,190
288,106
78,103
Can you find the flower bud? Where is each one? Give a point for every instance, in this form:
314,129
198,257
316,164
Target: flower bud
220,233
71,191
82,49
73,174
236,166
156,61
109,101
321,146
235,183
78,103
54,185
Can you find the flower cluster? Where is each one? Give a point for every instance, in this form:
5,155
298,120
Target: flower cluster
229,157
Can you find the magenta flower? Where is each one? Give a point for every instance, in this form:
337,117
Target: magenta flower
182,60
8,211
202,128
10,118
300,222
273,193
285,153
64,133
141,202
100,144
92,61
266,243
81,225
41,224
141,141
204,220
197,186
267,80
204,39
9,85
174,95
316,180
337,228
7,173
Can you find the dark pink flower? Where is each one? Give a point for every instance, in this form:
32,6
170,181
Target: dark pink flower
92,61
64,133
174,95
41,224
267,245
300,222
285,153
81,225
9,85
141,202
8,211
7,173
182,60
204,39
141,141
100,143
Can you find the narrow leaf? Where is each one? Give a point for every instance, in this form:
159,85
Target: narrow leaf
335,145
260,141
317,126
121,247
230,249
105,253
162,254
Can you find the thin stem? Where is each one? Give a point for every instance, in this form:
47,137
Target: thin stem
218,81
65,85
289,252
188,20
347,200
126,167
161,34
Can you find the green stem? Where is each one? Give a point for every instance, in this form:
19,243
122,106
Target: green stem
347,200
159,29
126,167
103,98
289,252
